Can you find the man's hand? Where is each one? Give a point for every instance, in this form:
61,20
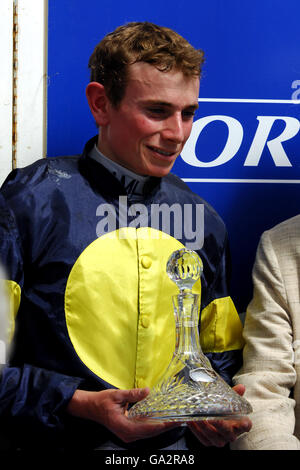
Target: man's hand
220,432
109,408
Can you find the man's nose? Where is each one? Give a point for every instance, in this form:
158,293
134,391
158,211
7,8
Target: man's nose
174,129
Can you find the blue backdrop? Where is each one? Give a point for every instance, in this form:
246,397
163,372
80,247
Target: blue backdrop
243,155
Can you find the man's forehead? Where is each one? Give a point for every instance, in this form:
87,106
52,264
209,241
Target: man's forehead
148,78
143,69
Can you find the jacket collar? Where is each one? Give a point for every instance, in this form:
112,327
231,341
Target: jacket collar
103,180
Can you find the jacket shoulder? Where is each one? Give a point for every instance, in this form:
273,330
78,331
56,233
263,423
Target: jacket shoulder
39,173
284,234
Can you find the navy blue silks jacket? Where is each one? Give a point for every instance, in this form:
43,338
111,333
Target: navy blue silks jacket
88,304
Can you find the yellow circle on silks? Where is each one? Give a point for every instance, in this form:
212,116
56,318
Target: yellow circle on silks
118,306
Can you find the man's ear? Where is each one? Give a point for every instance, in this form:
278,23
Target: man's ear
98,102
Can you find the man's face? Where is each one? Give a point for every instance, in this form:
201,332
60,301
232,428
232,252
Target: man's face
149,128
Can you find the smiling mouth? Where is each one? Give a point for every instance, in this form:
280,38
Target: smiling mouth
164,153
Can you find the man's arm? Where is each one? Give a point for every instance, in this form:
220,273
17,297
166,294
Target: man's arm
26,391
268,371
35,393
109,408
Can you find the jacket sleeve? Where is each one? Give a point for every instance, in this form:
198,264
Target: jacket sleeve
35,394
26,391
268,371
221,328
11,265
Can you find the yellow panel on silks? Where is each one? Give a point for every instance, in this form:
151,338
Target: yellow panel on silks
119,318
14,296
221,327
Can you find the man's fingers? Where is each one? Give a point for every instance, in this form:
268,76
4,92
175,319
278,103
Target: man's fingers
242,425
135,431
240,389
207,434
218,433
131,396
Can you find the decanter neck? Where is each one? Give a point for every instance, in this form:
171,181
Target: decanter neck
187,319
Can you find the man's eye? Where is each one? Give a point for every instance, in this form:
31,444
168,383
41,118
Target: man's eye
188,114
156,110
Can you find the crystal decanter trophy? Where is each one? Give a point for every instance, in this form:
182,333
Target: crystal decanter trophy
190,389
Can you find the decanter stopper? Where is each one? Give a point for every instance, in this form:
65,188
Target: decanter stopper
184,267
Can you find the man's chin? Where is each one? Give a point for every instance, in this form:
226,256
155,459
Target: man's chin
159,171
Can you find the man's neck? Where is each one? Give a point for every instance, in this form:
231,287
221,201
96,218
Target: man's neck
132,182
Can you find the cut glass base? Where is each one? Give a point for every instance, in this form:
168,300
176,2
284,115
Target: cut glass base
189,400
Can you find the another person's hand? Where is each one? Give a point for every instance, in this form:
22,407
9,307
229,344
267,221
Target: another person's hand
220,432
109,408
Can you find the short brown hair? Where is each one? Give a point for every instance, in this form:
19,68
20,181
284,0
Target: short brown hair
141,42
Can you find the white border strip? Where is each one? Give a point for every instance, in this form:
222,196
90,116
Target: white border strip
31,81
247,100
224,180
6,81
